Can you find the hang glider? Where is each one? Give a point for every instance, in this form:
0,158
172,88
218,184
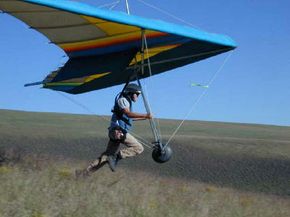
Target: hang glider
104,47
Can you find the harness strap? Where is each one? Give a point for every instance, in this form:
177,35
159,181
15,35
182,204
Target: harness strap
119,113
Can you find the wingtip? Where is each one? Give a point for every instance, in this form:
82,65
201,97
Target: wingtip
33,84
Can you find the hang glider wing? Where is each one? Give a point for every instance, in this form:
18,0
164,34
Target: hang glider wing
104,46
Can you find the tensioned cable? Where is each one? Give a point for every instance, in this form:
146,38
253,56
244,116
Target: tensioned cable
199,98
142,140
110,5
113,6
168,14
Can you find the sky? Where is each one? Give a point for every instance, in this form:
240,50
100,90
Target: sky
253,86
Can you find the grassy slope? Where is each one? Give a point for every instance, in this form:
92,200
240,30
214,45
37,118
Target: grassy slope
218,169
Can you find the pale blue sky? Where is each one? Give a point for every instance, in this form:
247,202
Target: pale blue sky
253,86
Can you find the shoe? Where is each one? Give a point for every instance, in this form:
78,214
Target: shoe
113,161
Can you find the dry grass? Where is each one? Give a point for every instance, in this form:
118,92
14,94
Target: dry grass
53,191
217,170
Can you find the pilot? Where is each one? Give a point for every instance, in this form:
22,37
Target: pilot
121,124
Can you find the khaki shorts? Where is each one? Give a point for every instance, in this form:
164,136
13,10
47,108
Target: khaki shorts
132,147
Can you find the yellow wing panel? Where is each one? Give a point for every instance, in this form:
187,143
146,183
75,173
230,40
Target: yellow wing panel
152,52
111,28
107,41
77,81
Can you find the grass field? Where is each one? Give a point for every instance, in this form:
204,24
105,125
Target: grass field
218,169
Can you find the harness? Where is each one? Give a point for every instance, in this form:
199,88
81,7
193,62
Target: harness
123,122
119,111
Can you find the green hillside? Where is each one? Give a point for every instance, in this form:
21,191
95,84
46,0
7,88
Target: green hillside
217,169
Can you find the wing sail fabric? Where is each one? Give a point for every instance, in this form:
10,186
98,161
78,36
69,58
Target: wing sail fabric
103,46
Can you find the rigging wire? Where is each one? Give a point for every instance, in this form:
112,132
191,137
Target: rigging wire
113,6
168,14
127,7
199,98
110,5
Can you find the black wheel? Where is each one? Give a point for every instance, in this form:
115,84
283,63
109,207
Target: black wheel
162,156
